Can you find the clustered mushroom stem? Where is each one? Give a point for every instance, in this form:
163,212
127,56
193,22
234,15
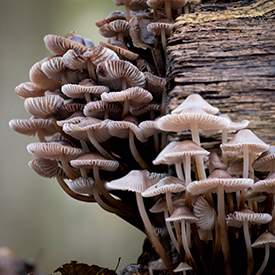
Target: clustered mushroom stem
126,108
217,245
170,207
127,12
170,230
223,231
91,70
271,225
224,140
68,169
41,136
149,230
245,174
72,194
187,8
248,248
135,153
117,204
266,257
87,97
99,148
168,13
186,247
179,170
163,39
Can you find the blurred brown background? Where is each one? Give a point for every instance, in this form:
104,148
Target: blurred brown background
36,217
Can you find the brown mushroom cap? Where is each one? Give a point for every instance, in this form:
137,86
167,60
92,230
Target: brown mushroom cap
82,185
182,213
264,238
109,19
160,158
114,28
42,106
266,160
266,185
28,89
158,26
88,160
54,151
112,72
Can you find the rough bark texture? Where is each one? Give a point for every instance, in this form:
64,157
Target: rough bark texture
226,53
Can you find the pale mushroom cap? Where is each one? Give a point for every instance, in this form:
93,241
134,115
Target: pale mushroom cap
196,100
149,127
79,91
184,148
265,185
135,181
265,161
73,60
30,127
113,28
82,185
217,178
235,126
205,212
243,138
42,106
155,84
238,217
182,121
53,150
183,266
121,128
136,95
167,184
157,26
182,213
160,158
111,73
89,160
263,239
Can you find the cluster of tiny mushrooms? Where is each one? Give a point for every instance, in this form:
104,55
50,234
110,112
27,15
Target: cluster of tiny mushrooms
99,114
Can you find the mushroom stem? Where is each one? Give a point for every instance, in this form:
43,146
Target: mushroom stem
248,248
266,257
87,97
149,230
168,13
117,204
217,246
245,174
135,153
68,169
186,247
96,144
170,207
72,194
163,39
41,136
91,70
126,108
170,230
224,140
187,8
179,171
223,231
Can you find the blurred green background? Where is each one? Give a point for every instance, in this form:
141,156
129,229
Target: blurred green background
36,217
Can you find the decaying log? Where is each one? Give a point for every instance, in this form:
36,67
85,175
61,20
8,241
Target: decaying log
226,53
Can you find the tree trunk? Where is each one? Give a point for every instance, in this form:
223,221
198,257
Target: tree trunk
226,53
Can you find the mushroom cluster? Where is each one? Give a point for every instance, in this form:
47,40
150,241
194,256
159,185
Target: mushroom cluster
99,114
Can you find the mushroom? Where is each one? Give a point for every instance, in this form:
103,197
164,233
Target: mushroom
182,214
28,89
220,181
138,181
266,240
244,218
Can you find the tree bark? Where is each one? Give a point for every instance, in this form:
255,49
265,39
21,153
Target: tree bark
226,53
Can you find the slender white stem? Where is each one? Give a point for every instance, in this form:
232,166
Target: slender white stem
179,171
150,232
266,257
170,230
248,248
224,140
245,174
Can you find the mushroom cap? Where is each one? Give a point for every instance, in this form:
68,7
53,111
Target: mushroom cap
162,24
196,100
191,115
79,90
74,60
135,95
155,84
114,27
97,109
242,138
149,127
82,185
183,266
160,157
167,184
217,178
121,128
266,185
112,72
121,52
88,160
42,107
205,212
135,181
182,213
66,110
80,130
59,45
265,161
28,89
263,239
182,149
245,215
138,111
235,126
54,150
109,19
30,127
